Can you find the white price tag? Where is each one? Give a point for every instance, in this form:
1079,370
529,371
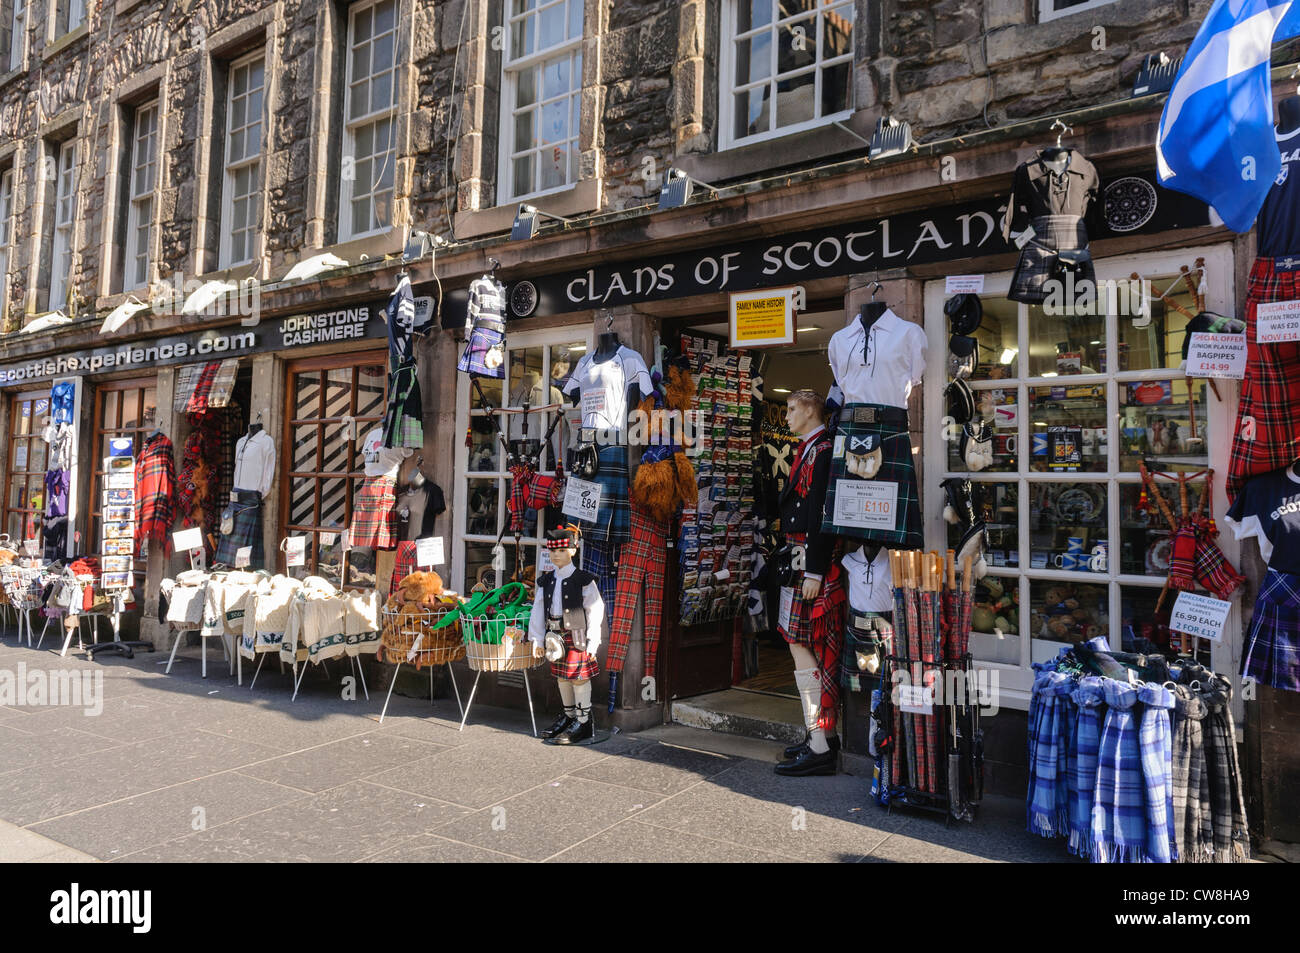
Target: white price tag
1201,616
1006,416
544,562
1217,355
916,699
581,499
1025,237
593,403
428,551
964,284
787,606
295,551
345,543
327,539
31,547
243,556
20,457
865,504
186,539
1277,321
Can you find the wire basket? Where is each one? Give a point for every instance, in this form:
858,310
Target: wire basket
437,645
496,645
22,587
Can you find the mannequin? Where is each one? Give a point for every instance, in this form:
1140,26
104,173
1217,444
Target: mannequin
565,625
419,503
814,628
242,518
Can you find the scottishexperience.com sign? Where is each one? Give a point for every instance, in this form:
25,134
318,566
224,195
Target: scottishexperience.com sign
345,324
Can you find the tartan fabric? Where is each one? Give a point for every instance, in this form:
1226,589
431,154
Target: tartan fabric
404,564
486,334
575,665
819,627
1214,572
1193,830
529,490
640,574
404,414
1155,743
1047,814
374,524
1270,392
223,383
1227,800
247,531
155,492
1119,800
600,559
1182,564
198,402
613,519
930,649
897,466
863,641
1037,264
1273,640
1089,697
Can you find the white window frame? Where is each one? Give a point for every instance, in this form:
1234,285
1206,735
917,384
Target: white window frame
511,66
6,237
251,162
1046,11
1016,680
76,14
519,341
728,88
140,200
18,39
351,128
65,214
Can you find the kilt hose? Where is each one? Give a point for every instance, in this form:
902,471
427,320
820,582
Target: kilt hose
601,560
1273,641
613,519
819,627
1270,393
404,565
575,665
861,425
247,531
640,572
374,524
404,415
1037,264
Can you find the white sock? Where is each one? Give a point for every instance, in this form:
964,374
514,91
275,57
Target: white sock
566,694
582,698
810,693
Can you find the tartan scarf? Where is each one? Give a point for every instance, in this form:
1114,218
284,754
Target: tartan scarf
1046,803
1193,833
1154,743
1119,808
803,468
155,492
1089,697
1227,806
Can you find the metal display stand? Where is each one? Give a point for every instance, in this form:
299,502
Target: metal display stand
403,639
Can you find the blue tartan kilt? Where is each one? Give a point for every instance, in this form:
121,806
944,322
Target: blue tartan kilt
896,466
614,518
247,531
485,335
1273,641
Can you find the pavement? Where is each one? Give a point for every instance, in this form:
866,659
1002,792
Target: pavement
179,768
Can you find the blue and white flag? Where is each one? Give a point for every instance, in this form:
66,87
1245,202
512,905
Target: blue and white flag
1216,138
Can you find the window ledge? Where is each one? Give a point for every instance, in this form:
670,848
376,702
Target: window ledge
798,148
65,41
579,199
125,6
9,77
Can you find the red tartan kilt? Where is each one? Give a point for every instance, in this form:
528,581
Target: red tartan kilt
575,665
813,623
374,525
405,564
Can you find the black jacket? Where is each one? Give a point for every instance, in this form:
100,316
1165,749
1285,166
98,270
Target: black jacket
804,514
570,589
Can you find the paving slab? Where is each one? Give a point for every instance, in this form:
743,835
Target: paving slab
432,849
658,768
634,842
329,765
19,846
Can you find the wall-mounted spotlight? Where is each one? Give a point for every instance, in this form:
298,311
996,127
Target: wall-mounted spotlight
892,137
528,220
1156,75
677,189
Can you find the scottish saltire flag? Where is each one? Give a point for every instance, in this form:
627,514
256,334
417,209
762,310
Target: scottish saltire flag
1216,137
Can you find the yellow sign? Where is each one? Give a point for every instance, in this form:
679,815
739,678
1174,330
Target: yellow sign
762,318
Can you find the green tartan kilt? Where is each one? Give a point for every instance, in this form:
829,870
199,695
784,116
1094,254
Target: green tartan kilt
896,466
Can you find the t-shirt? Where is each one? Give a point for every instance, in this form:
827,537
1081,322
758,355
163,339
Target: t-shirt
1268,508
380,460
603,385
418,508
1279,218
870,583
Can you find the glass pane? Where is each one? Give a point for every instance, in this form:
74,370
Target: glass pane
555,78
1068,611
837,32
338,392
491,388
484,452
752,13
384,16
1158,424
381,57
1152,329
149,407
36,456
524,136
995,405
108,415
796,99
997,505
998,348
796,45
526,384
523,175
130,409
1146,540
575,19
371,388
381,91
837,89
553,26
1067,526
1064,344
306,400
753,59
752,113
302,502
481,520
306,445
995,619
336,449
478,565
1067,427
555,164
522,37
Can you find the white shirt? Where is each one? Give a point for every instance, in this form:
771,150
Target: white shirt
59,437
886,370
255,462
381,460
871,587
591,601
603,387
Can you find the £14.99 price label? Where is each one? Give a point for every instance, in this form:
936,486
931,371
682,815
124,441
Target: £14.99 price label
1217,355
1277,321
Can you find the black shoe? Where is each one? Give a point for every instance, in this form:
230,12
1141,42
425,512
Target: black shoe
577,733
560,724
808,763
794,750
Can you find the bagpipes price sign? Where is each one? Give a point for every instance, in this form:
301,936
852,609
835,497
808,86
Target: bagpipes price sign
1217,355
581,499
1201,616
1277,321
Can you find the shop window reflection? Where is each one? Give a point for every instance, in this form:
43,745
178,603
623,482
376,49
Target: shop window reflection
1159,424
1068,528
1062,344
1068,611
1067,427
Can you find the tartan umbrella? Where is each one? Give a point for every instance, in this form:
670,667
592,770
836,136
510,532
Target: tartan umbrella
929,640
897,568
915,757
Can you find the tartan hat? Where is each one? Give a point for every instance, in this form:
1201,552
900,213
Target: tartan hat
966,311
563,537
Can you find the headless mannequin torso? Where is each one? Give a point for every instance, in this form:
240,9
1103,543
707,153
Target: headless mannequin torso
1288,115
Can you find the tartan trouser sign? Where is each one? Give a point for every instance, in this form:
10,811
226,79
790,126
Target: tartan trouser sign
818,625
640,573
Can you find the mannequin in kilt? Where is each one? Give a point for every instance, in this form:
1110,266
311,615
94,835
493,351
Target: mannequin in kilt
565,623
814,628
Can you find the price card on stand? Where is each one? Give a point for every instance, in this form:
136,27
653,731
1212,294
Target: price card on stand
31,547
1201,616
866,504
916,699
327,539
581,499
243,556
1217,355
295,551
1277,321
428,551
187,539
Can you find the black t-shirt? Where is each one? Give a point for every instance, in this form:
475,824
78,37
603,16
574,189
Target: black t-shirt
1279,219
417,509
1269,508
